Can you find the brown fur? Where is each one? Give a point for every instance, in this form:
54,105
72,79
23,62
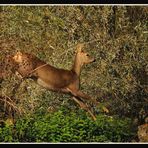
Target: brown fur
56,79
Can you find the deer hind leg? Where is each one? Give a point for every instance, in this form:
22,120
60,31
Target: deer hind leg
85,107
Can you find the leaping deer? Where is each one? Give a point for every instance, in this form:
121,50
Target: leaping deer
55,79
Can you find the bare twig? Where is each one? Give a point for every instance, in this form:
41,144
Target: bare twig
10,102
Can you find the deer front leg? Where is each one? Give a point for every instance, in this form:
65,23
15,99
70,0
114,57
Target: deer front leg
85,107
78,93
87,97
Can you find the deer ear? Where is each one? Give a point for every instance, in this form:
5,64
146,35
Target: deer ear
19,53
79,47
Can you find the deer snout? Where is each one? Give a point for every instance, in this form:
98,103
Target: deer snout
94,60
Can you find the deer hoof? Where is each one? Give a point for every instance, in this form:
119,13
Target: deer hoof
105,110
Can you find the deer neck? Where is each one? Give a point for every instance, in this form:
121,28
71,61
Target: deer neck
77,66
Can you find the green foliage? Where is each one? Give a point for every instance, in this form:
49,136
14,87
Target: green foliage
62,126
116,36
6,133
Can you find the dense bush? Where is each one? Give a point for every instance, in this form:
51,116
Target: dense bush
116,36
62,126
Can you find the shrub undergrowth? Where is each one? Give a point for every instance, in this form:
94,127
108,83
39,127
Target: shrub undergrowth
62,126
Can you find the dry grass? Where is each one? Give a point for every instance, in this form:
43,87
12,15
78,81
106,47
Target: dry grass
115,35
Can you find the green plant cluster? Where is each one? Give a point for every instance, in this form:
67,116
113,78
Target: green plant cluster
116,36
62,126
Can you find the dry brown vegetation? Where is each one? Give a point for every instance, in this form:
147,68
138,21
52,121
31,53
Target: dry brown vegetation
115,35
